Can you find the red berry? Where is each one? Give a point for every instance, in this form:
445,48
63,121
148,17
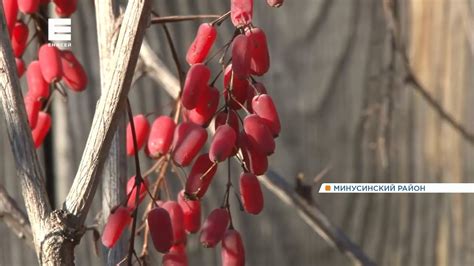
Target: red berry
200,177
241,12
196,82
222,144
232,253
192,213
42,2
260,59
28,6
161,136
227,117
177,221
255,89
116,223
19,38
20,67
74,74
132,191
142,128
33,107
178,249
240,88
264,107
202,44
188,140
42,128
161,231
65,8
50,63
255,161
37,86
206,107
241,56
251,193
259,135
10,7
174,258
214,227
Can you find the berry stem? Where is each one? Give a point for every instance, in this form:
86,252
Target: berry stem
168,19
138,180
221,19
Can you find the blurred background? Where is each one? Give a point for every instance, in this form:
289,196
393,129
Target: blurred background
348,103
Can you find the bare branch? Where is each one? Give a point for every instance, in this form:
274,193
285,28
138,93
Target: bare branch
276,184
27,163
109,108
313,216
14,217
412,78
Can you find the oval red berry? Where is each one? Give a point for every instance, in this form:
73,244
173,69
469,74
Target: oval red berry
177,221
196,82
74,74
10,8
232,252
205,108
214,228
202,44
38,88
19,38
251,193
50,62
65,8
115,225
256,88
42,128
222,144
142,128
161,232
241,12
239,89
264,107
259,57
255,161
259,135
188,140
32,107
161,136
241,56
28,6
200,177
132,192
191,211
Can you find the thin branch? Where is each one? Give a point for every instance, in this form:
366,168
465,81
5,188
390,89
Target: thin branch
168,19
27,164
412,78
109,109
174,53
276,184
14,217
313,216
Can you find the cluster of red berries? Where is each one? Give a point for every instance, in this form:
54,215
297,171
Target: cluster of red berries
51,67
250,139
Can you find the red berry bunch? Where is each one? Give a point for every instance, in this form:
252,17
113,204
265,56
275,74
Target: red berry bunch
245,123
50,70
